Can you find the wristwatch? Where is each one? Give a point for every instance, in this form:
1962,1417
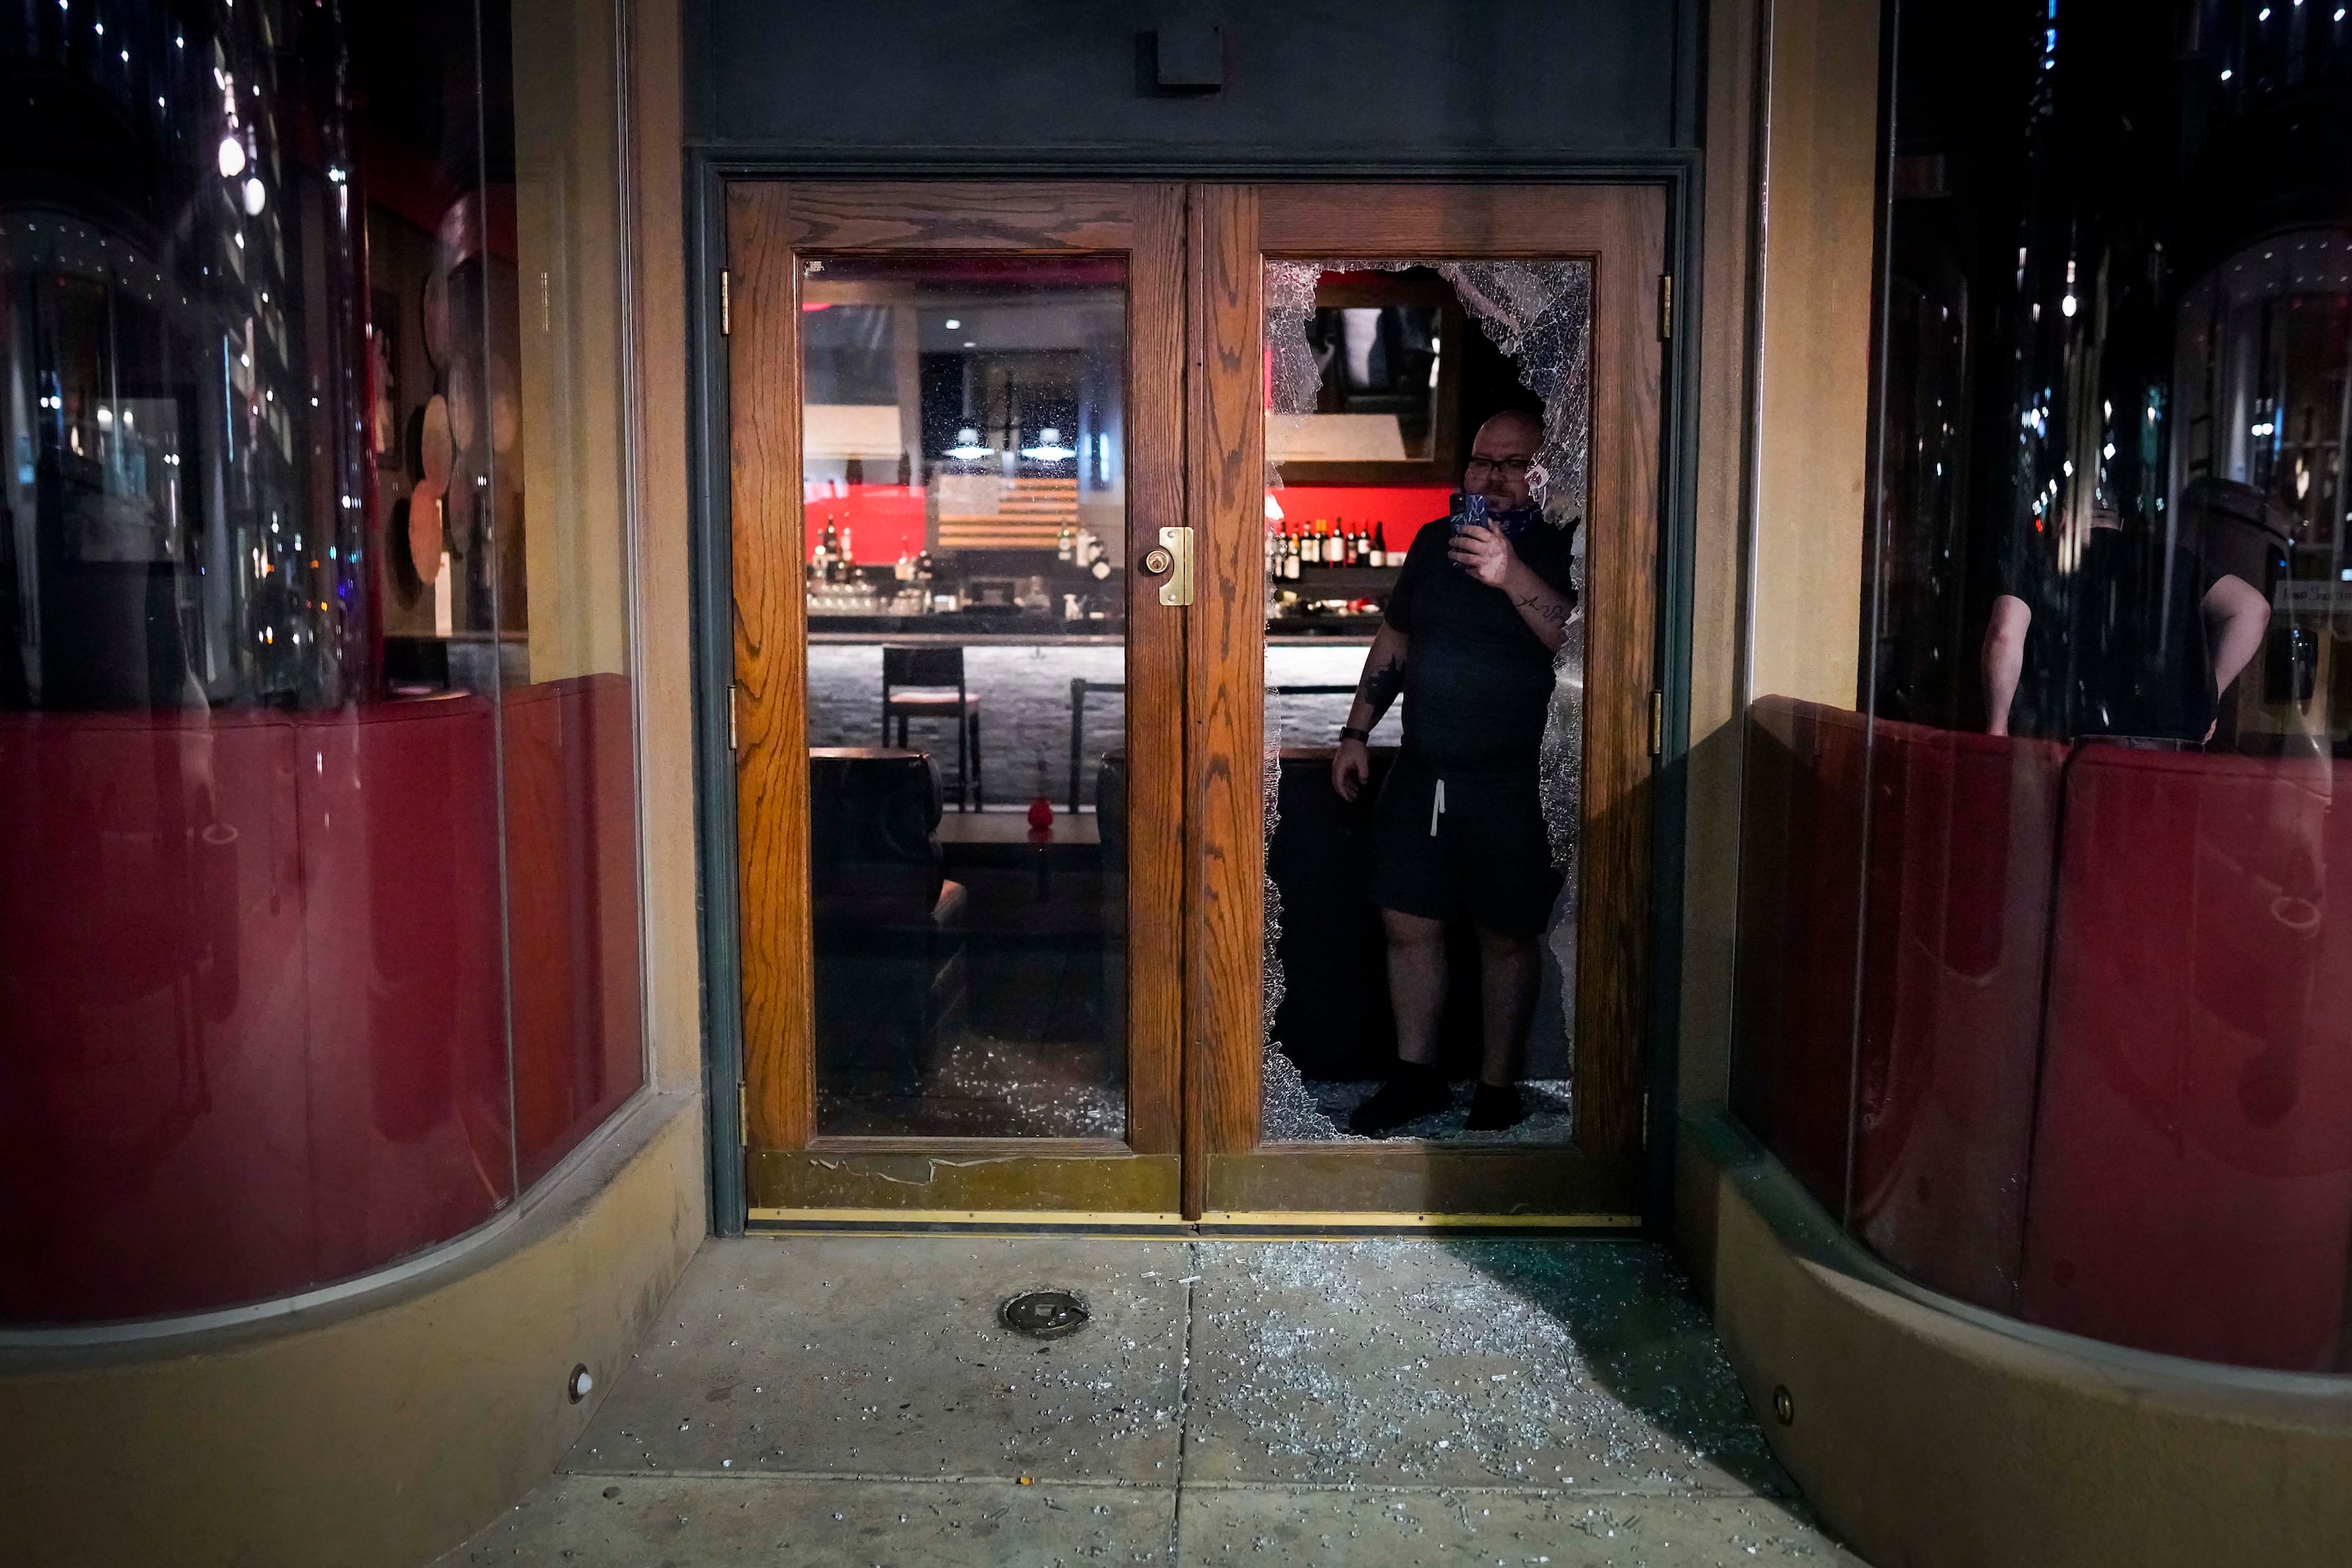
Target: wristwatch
1349,733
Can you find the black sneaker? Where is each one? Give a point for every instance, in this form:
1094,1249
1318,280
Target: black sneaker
1415,1092
1495,1107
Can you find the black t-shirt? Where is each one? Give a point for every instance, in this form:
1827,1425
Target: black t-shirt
2125,652
1478,679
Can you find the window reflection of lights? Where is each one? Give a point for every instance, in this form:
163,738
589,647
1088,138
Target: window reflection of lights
2067,306
2264,14
968,445
969,344
232,157
256,197
2225,73
951,323
2264,428
1049,447
2108,451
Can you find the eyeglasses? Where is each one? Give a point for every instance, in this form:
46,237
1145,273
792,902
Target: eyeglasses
1510,467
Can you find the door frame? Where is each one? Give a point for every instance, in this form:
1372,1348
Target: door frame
792,1170
1671,176
1230,1177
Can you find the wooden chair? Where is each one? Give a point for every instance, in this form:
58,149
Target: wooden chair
928,683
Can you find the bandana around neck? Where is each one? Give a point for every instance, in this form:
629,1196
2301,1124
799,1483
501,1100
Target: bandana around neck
1513,521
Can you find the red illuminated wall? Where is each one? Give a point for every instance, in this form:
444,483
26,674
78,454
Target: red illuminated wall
1397,511
885,520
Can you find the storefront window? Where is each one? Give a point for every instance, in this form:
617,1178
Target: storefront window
2043,978
318,893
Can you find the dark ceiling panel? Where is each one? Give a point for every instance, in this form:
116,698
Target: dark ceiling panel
1366,80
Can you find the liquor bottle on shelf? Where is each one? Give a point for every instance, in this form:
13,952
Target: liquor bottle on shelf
849,556
1374,555
1308,553
1350,552
1066,543
1292,560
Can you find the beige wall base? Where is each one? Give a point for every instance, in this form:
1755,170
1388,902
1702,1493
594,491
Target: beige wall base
1934,1438
380,1430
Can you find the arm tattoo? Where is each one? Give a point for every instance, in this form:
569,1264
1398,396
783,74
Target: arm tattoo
1380,687
1548,607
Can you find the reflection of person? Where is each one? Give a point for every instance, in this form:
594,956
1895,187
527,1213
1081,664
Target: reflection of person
2152,639
1473,621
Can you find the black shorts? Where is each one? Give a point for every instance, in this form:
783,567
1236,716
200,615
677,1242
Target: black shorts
1477,852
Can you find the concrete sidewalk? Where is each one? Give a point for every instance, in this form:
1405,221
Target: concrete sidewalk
854,1400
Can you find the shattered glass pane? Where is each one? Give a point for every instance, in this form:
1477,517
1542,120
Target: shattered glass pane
1538,312
1538,315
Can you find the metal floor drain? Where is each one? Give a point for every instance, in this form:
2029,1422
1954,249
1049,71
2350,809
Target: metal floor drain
1044,1314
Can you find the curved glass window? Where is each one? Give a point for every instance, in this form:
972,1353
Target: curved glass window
318,888
2045,981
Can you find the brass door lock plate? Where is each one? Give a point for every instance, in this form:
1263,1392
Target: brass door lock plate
1176,550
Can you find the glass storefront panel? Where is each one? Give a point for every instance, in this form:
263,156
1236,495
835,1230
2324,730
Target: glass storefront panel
294,791
2039,969
964,484
1421,933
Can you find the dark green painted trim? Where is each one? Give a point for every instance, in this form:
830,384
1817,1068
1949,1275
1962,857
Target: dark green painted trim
712,652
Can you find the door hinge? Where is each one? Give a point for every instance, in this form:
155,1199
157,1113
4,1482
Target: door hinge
1665,306
730,716
742,1114
1658,723
1178,589
726,302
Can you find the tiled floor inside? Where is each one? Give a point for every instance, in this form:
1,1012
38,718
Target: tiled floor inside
855,1400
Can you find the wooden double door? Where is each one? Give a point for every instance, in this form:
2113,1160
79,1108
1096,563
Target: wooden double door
1036,658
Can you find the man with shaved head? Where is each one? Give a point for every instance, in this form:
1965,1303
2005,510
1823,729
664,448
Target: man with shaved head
1477,613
